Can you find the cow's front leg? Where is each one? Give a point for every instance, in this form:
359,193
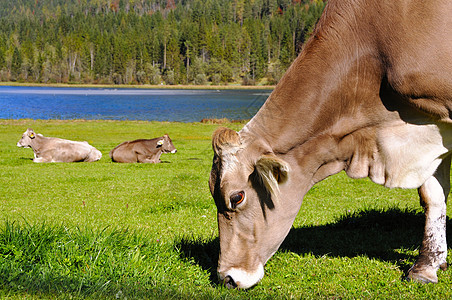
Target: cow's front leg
40,159
432,255
147,159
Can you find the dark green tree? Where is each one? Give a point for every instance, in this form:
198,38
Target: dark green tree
16,63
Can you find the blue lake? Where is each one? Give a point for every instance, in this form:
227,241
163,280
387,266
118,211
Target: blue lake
128,104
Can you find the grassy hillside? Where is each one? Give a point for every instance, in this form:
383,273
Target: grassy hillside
148,231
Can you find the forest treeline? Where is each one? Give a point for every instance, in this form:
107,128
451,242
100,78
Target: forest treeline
152,41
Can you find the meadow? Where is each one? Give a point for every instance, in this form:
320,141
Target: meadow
105,230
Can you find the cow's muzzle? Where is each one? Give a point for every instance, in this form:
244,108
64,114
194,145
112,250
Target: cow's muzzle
238,278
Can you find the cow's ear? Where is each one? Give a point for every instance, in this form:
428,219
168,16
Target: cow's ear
160,143
31,134
273,171
225,141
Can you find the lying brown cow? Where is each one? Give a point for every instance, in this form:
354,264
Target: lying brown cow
51,149
370,94
143,151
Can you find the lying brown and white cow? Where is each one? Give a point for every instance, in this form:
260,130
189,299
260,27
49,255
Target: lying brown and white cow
51,149
371,94
143,151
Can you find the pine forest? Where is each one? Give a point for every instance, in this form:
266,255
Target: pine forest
199,42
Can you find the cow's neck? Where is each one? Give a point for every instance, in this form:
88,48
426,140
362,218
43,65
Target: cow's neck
38,143
325,96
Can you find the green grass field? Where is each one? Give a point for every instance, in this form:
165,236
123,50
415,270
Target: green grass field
104,230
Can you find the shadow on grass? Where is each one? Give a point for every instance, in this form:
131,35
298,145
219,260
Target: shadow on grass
204,253
372,233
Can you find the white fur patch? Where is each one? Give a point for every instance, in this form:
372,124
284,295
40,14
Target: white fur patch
244,279
410,154
229,162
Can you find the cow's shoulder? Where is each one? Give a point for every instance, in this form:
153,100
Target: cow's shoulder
148,146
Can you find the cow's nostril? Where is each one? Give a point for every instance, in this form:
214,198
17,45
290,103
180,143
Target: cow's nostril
229,282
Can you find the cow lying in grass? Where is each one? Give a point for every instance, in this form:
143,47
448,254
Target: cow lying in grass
51,149
143,151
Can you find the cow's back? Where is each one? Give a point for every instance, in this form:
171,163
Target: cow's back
408,41
123,153
135,151
74,151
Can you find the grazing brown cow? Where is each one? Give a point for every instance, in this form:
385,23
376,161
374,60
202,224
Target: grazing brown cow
371,94
143,151
51,149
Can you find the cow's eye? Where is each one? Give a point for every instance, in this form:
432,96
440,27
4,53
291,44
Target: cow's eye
237,198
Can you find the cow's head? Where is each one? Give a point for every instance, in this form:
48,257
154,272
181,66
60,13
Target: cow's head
27,138
166,144
247,182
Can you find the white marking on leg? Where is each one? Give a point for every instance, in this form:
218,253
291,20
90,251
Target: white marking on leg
435,222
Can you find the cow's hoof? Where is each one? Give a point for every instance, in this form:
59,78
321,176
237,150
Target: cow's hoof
422,275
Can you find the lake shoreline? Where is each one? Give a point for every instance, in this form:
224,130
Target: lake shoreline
142,86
